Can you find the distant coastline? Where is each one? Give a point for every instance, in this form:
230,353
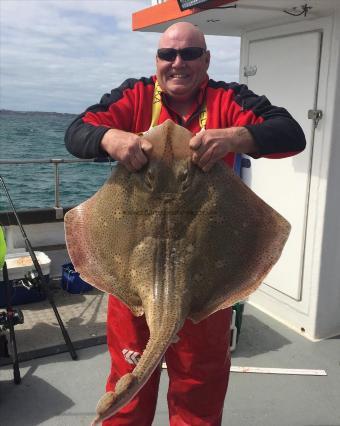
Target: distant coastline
11,112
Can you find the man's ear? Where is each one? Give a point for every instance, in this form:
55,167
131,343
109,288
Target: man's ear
207,58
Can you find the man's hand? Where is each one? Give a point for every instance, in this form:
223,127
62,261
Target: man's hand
129,149
210,146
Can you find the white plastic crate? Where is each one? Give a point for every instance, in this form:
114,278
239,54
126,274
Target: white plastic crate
19,263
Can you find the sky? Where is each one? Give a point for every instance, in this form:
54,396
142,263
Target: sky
63,55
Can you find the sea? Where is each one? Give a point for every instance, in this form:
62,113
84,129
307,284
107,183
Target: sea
40,136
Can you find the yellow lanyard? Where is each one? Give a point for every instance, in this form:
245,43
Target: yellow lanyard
157,105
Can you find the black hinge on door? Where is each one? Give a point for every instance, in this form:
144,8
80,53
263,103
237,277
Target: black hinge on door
249,70
315,115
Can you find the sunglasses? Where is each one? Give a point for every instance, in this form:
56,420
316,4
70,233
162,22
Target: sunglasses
187,54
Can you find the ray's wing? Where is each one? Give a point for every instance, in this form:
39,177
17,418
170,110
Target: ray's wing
98,238
241,239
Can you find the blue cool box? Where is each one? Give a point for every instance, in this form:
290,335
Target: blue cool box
71,281
20,295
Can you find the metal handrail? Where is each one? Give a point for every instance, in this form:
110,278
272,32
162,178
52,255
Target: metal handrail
47,160
56,162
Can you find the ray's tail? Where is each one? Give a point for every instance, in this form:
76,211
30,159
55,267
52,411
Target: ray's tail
129,385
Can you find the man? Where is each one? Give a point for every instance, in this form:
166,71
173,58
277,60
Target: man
225,119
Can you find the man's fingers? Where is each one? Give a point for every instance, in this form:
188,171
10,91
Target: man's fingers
210,146
128,166
135,164
137,157
196,142
208,166
206,158
146,146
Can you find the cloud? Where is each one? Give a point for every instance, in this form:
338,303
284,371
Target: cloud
63,55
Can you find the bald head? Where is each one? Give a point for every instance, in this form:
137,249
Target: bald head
183,31
180,75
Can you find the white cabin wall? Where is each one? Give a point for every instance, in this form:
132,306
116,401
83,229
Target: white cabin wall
328,298
317,314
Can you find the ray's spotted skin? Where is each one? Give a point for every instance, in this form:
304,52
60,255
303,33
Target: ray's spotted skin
172,242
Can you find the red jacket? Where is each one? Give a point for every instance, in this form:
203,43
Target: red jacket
129,108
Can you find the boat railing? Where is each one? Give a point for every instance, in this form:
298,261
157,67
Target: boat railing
55,163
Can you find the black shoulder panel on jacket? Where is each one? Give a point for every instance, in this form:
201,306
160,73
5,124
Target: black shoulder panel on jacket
278,133
83,139
244,97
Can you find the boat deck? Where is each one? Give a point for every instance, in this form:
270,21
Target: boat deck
84,316
56,390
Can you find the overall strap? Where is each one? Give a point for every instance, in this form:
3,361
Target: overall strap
203,116
156,105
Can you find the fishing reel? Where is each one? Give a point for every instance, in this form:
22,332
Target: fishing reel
30,280
14,316
8,319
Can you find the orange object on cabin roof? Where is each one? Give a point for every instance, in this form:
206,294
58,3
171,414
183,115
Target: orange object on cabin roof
167,11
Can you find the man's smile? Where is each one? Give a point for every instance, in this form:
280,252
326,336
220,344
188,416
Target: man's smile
178,76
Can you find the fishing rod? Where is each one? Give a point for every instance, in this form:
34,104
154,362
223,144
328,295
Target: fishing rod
44,284
8,320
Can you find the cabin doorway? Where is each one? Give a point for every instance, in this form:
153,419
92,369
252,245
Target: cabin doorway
285,68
